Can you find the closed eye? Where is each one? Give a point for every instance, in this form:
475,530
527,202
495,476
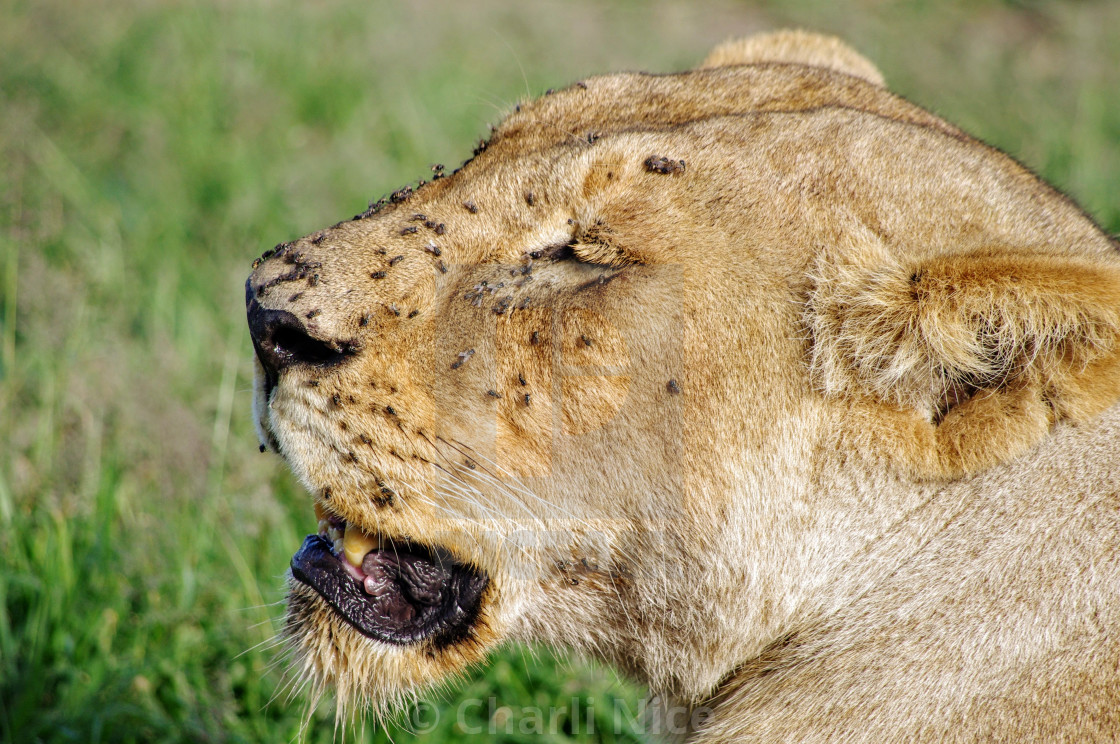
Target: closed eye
592,252
601,253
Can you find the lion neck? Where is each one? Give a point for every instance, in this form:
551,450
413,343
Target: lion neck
871,523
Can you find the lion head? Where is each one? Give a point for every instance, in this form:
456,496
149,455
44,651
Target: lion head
653,365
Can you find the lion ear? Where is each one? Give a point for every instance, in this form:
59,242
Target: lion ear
987,349
794,47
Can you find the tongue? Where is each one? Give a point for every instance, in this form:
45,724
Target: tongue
423,581
379,587
418,579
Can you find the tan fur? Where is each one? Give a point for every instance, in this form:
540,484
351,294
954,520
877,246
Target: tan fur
794,47
821,422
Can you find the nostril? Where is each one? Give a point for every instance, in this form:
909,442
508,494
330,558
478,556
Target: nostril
293,344
281,340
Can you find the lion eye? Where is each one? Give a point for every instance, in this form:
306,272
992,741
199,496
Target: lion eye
592,252
600,253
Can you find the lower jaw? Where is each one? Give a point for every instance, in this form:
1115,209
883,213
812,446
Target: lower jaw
450,620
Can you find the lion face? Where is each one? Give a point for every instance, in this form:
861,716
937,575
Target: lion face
463,381
591,389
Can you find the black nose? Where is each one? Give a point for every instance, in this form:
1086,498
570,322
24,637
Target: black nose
281,340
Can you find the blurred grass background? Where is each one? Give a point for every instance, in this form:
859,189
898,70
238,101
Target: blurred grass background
149,149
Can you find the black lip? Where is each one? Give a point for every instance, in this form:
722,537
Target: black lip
450,597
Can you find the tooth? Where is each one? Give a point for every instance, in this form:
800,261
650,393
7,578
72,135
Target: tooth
320,512
356,544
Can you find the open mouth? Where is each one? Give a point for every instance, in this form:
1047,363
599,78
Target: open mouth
394,591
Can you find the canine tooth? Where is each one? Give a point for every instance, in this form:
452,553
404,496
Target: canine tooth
356,544
320,513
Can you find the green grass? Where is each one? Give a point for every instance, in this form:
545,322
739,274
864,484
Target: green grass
150,150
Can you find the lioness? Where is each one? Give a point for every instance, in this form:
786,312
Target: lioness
758,381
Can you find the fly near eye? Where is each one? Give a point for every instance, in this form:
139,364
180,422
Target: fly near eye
558,252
